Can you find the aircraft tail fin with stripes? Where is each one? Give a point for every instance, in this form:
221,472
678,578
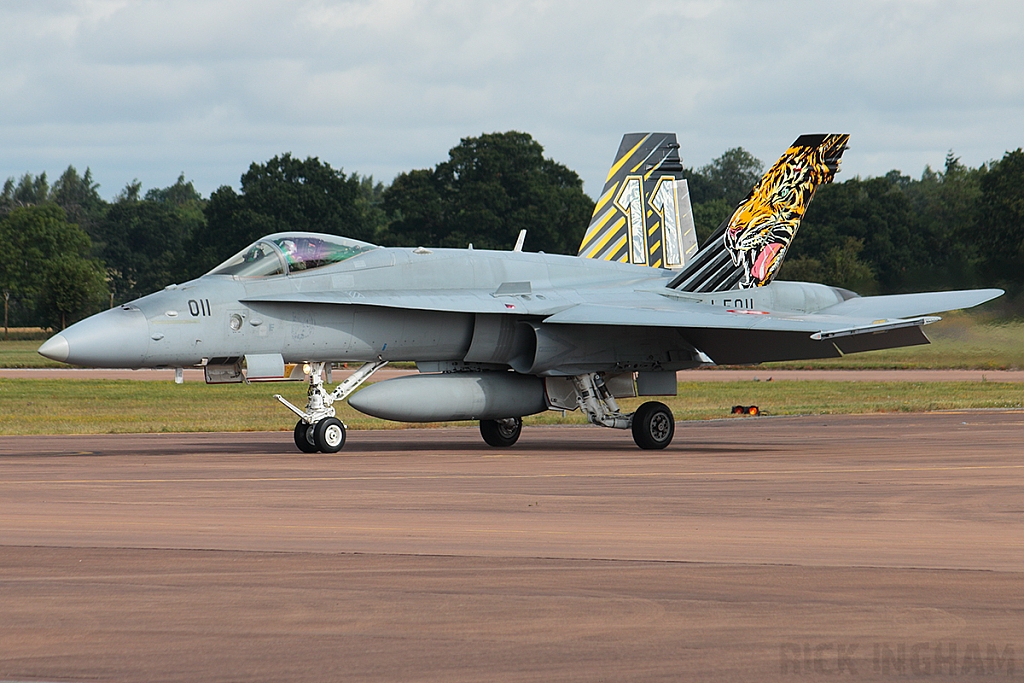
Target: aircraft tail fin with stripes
643,215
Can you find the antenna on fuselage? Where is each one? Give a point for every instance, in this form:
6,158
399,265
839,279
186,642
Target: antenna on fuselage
520,240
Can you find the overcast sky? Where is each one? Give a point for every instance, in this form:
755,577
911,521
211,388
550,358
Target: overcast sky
149,89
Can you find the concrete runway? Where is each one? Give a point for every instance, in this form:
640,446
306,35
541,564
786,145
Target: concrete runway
865,547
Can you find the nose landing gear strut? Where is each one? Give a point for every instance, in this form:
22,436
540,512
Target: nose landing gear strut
318,429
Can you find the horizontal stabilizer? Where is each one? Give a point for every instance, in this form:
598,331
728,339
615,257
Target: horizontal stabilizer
911,305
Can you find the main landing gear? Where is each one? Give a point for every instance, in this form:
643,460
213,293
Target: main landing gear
653,424
501,433
318,429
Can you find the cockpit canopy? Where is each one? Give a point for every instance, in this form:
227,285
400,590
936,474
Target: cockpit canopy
290,252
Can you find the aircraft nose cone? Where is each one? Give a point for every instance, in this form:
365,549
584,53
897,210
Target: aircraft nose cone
118,338
55,348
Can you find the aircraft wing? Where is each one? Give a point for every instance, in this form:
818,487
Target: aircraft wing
727,336
736,336
855,312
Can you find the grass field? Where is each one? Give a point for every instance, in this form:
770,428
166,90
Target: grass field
21,353
126,406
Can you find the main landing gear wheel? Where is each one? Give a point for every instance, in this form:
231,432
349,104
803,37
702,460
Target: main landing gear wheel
653,426
329,435
501,433
304,437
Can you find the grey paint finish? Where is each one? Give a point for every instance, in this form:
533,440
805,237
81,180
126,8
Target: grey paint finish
540,314
460,396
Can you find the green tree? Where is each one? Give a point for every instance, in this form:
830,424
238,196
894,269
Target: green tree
32,190
803,268
132,192
1000,232
878,213
29,191
716,188
181,193
370,204
843,268
490,188
284,194
730,177
143,245
707,216
7,200
416,209
840,266
71,286
945,216
34,239
79,197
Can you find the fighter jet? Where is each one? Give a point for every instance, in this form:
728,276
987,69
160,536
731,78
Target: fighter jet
497,335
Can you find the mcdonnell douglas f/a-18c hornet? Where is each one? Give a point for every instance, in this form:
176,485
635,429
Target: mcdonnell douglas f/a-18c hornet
497,335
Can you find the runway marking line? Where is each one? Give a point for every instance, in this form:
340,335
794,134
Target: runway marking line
625,475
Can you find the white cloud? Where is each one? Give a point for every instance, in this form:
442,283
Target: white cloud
149,89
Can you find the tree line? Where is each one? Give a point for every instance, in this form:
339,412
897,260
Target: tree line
65,252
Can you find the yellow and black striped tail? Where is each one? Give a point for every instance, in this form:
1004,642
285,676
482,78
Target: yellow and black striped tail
643,215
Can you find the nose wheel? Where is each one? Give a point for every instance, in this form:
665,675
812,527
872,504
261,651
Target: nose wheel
326,436
304,437
329,435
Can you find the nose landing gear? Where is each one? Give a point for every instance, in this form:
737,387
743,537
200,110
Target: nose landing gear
318,429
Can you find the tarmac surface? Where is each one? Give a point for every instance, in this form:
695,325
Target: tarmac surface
868,547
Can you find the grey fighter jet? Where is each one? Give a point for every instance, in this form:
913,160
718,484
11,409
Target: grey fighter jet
497,335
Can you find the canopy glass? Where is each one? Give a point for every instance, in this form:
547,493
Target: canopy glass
291,252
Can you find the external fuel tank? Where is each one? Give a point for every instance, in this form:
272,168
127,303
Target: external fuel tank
452,396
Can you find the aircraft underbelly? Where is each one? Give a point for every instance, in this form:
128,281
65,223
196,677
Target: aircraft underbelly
533,348
560,350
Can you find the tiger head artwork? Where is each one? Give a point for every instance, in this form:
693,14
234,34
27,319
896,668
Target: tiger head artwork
764,224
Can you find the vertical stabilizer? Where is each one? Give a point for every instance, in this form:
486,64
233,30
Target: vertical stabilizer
748,248
643,215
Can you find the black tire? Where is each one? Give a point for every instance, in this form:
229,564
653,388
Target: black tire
498,434
653,426
329,435
304,437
